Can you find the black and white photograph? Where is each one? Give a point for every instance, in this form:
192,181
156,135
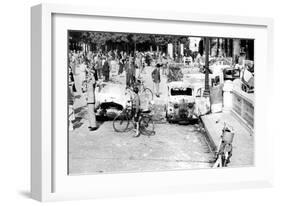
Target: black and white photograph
154,102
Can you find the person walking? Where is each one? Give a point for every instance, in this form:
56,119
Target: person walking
156,79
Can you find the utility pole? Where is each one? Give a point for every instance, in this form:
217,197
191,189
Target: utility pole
207,86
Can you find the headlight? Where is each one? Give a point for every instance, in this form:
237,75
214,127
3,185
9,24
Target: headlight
170,107
190,104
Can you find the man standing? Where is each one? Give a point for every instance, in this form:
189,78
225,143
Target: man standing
139,63
130,72
105,70
136,110
78,75
121,64
98,63
91,85
156,79
71,115
127,70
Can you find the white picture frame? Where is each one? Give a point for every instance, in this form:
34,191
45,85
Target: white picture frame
49,179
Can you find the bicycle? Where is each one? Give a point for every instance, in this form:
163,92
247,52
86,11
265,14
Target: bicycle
144,92
121,122
225,147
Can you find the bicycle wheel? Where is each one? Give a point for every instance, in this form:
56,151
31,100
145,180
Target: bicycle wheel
227,154
218,161
147,94
146,126
121,122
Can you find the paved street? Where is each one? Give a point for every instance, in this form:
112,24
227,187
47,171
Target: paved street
173,147
106,151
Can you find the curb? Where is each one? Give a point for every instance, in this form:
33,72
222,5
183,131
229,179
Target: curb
210,142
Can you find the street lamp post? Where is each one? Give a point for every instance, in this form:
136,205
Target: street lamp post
207,86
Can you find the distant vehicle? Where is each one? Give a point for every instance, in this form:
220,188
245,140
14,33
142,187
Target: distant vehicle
224,66
111,99
248,81
185,101
220,62
187,60
231,73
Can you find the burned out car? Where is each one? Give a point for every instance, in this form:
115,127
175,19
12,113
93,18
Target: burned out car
185,102
110,99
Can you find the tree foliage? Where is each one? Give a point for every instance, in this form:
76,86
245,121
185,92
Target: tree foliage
102,38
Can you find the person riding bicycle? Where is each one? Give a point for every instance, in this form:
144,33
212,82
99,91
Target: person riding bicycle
136,110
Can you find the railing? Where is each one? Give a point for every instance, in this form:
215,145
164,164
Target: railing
243,106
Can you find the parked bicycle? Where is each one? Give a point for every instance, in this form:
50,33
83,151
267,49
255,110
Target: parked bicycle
224,152
124,122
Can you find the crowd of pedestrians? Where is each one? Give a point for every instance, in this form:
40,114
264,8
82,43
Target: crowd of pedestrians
87,69
106,63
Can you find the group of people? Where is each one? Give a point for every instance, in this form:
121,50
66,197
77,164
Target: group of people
80,63
87,69
103,63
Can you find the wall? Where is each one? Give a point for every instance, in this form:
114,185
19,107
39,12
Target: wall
243,107
15,101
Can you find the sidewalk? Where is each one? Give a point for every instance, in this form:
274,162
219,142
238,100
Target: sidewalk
243,143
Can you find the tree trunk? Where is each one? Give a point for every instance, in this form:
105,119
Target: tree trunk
225,47
135,47
230,47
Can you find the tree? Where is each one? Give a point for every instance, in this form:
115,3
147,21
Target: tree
99,38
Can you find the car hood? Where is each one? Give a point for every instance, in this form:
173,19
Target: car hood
111,93
180,98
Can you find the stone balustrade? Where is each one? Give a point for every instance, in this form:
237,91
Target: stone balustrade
239,102
243,106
